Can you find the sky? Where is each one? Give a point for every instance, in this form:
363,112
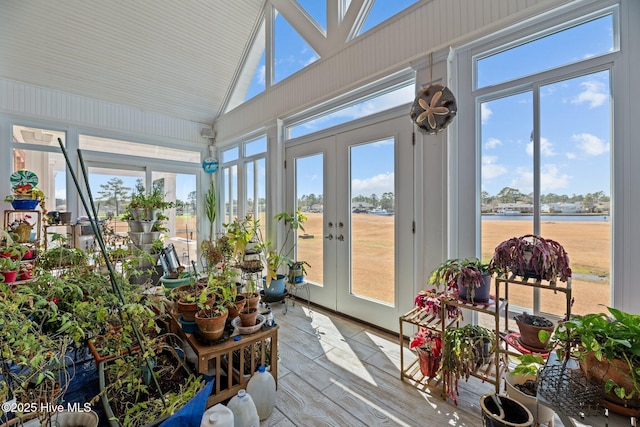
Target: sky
574,113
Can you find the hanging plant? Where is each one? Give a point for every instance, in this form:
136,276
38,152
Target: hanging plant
433,109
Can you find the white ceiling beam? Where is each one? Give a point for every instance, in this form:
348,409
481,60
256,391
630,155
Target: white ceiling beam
304,24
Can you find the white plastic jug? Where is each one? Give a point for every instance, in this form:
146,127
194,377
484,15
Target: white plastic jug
244,410
262,388
217,416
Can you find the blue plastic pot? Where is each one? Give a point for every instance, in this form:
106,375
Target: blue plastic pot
276,287
25,204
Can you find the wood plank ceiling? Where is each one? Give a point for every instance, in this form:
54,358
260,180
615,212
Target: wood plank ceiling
179,58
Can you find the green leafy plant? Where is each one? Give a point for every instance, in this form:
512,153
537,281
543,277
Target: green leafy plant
454,273
615,338
277,258
463,352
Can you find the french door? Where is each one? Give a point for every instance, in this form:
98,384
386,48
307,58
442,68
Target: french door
356,189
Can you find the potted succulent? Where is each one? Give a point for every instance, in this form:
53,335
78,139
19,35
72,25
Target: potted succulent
530,327
431,302
608,347
464,350
522,386
470,277
531,256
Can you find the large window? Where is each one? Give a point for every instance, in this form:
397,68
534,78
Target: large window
545,148
244,193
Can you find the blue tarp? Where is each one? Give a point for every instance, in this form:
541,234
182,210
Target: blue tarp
190,415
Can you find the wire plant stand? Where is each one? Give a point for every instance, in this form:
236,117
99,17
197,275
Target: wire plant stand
571,392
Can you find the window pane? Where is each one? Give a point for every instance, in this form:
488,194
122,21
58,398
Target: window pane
256,179
111,190
359,109
309,198
575,117
230,155
136,149
507,177
256,146
50,168
229,193
291,51
372,232
36,136
383,10
571,45
317,10
181,220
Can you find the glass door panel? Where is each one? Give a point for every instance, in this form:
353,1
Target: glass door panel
372,220
309,198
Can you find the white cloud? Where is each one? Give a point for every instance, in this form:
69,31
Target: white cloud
591,145
491,169
593,93
546,148
377,184
552,179
571,155
485,112
492,143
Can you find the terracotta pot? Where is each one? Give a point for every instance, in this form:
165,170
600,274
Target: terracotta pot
529,334
211,328
186,309
429,364
248,316
252,299
235,309
617,370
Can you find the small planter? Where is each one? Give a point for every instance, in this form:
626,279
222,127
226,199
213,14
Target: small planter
481,293
9,276
25,204
94,347
429,364
541,414
248,317
171,283
529,327
275,288
253,299
512,414
237,307
211,328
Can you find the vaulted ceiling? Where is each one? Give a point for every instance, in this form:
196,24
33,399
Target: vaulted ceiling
175,57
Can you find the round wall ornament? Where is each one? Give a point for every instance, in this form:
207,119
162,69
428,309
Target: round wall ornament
433,109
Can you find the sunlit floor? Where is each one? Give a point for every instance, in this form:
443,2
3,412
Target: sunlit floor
337,372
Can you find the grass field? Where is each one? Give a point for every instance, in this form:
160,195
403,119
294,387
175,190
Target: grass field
588,245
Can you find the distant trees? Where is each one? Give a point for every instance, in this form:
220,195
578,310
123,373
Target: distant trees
114,192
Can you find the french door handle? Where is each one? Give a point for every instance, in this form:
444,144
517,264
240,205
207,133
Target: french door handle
340,237
330,237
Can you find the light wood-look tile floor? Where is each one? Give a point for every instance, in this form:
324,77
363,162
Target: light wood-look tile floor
334,371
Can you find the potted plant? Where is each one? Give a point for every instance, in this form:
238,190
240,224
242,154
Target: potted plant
275,259
431,301
531,256
464,350
608,348
470,277
530,327
297,271
9,269
25,196
240,232
522,386
212,304
428,346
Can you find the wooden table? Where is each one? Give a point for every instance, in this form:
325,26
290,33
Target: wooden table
234,359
